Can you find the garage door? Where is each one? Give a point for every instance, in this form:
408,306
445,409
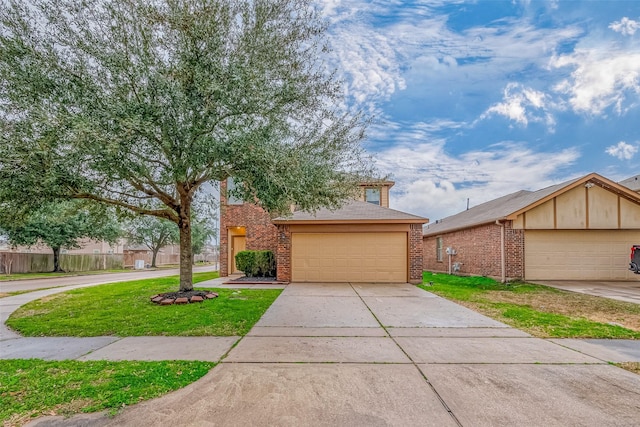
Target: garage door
579,254
349,257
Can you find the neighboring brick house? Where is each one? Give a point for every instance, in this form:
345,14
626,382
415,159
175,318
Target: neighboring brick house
363,241
577,230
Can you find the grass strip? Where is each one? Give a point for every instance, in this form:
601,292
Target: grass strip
124,309
31,388
14,293
630,366
49,275
540,310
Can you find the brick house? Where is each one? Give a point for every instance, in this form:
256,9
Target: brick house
578,230
363,241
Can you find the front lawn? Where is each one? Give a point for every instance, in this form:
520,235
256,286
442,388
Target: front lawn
124,309
540,310
32,388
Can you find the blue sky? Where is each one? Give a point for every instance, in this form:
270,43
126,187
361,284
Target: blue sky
480,99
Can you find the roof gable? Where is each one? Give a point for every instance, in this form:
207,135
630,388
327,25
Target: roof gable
512,205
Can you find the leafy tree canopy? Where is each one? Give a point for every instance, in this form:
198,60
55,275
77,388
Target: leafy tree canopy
127,102
152,232
60,225
202,232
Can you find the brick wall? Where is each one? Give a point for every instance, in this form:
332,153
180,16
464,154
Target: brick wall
416,253
514,250
478,251
283,253
261,234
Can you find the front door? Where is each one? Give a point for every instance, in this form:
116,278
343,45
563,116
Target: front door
238,243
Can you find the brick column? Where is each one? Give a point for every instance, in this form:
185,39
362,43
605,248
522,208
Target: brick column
224,252
416,251
514,249
283,254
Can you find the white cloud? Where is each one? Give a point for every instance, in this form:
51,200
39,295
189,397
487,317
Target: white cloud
625,26
601,78
433,183
523,105
622,150
418,49
369,64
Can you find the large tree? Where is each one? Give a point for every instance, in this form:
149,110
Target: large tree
130,102
62,224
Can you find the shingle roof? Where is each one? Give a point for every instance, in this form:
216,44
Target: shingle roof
352,212
493,210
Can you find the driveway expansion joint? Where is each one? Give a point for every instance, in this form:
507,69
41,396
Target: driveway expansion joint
412,362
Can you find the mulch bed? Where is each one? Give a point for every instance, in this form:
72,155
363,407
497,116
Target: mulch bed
187,297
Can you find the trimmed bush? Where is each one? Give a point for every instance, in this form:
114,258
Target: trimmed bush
256,263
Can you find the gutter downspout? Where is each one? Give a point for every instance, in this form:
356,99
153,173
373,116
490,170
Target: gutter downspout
503,267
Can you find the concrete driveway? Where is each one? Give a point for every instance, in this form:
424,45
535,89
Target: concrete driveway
618,290
380,355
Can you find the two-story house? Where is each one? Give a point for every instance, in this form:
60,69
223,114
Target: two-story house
363,241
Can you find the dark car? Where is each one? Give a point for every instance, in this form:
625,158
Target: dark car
634,264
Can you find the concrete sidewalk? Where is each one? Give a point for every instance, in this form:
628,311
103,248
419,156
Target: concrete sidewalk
374,355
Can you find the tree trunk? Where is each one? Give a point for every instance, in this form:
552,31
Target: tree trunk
56,260
186,255
154,256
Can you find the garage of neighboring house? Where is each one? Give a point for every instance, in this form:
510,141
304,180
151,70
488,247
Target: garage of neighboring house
579,254
582,229
359,242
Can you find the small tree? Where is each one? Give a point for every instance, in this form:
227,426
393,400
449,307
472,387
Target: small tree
126,102
154,233
60,225
202,230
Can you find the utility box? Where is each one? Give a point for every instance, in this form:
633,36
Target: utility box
634,262
139,264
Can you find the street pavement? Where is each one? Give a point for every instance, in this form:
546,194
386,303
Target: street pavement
91,279
380,355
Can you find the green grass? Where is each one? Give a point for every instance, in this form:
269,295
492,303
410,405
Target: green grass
540,310
32,388
124,309
48,275
630,366
14,293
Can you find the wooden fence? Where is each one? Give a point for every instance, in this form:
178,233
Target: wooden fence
17,262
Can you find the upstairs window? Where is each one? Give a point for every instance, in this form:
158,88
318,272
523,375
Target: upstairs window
372,195
232,199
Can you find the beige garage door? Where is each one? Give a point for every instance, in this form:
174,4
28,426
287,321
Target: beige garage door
579,254
349,257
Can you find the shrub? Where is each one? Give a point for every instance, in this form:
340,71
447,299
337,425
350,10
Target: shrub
256,263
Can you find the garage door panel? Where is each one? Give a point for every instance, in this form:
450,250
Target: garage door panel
579,254
353,257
